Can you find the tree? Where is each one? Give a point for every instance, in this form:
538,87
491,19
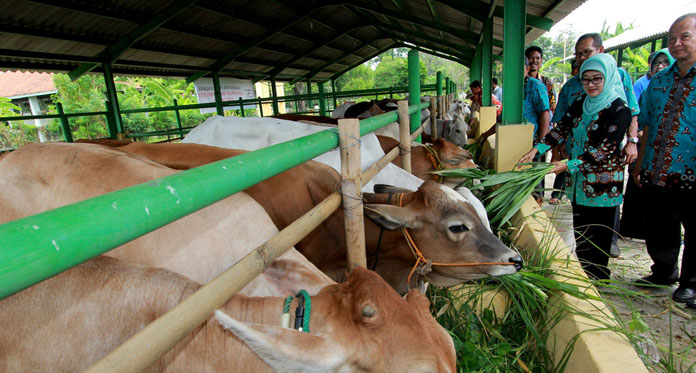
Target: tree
361,73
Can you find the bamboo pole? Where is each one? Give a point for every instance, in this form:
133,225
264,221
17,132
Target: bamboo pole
404,135
351,185
433,119
148,345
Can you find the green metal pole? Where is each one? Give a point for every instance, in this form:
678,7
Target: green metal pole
333,91
274,93
487,62
64,123
177,115
447,86
620,58
112,99
241,106
218,94
322,99
513,60
439,83
110,120
414,88
309,92
260,107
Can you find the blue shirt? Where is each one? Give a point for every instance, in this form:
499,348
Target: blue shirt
668,114
572,90
640,85
498,93
536,100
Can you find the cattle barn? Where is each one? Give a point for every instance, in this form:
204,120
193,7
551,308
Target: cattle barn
277,41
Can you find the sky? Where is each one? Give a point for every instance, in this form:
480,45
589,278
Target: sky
642,13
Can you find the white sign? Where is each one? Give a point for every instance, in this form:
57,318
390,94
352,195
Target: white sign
232,89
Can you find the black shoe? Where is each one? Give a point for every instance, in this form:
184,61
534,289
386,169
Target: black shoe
614,251
684,294
691,304
653,280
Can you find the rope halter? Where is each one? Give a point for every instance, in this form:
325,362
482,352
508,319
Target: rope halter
424,265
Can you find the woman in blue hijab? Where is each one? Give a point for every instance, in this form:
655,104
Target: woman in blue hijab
594,127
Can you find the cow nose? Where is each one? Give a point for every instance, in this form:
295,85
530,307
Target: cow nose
518,262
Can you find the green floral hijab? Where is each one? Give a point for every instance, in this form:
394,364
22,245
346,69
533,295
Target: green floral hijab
613,86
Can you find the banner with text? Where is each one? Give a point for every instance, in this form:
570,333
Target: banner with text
232,89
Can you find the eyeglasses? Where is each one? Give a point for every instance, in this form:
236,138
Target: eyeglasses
597,80
585,53
661,62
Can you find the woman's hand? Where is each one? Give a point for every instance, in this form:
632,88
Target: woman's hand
528,157
559,167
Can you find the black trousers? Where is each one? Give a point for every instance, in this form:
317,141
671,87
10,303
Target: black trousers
665,210
593,234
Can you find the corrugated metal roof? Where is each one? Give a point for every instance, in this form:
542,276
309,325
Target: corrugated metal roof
262,39
16,83
637,36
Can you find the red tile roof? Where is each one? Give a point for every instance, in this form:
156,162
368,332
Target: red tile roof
16,83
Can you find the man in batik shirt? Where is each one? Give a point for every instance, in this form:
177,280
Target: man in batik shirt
667,164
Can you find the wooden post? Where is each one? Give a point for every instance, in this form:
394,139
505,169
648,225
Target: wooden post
433,118
351,186
441,107
404,135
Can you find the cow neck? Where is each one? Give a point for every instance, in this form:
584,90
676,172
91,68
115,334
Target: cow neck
424,265
381,232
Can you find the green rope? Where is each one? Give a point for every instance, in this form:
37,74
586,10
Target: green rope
286,306
308,309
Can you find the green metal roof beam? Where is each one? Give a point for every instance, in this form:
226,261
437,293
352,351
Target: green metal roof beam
532,20
114,50
440,50
316,71
338,74
468,36
436,15
434,53
461,49
316,46
229,57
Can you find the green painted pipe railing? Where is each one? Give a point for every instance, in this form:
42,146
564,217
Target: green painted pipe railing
40,246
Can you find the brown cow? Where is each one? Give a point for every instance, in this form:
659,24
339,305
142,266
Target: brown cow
40,177
68,322
423,162
443,223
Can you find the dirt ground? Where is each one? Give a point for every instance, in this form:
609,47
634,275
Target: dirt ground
667,321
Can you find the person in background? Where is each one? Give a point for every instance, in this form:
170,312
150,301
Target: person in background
657,61
476,101
536,59
594,126
497,89
666,166
587,46
559,153
632,212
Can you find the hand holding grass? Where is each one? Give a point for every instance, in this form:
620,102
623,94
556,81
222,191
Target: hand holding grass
527,157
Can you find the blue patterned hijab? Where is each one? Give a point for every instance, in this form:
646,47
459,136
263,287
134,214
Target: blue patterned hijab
613,86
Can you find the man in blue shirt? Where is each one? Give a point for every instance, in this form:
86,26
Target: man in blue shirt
536,103
666,165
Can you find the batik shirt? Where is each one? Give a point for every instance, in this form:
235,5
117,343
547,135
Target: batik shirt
573,89
535,101
549,91
596,163
669,116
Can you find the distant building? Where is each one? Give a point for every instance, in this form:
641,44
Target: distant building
31,91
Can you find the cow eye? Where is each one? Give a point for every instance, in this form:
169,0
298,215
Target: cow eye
461,228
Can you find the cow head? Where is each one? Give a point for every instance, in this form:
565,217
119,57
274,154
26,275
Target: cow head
452,156
447,228
356,326
456,129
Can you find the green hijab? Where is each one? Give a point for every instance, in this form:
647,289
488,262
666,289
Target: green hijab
664,51
613,86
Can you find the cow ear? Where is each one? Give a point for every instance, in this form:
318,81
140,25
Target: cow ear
287,350
392,217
